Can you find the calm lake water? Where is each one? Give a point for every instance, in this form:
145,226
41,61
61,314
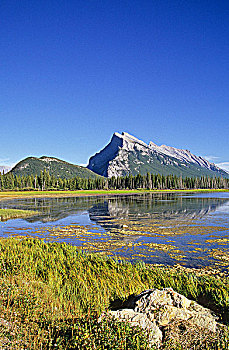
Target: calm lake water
189,229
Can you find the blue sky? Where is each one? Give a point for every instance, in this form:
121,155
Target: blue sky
74,72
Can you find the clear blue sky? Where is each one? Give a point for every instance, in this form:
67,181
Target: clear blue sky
74,72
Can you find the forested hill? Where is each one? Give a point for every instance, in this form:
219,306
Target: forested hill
56,167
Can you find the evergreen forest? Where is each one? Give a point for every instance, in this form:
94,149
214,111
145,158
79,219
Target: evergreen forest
45,182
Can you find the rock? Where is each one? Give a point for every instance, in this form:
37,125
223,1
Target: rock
194,337
153,298
165,305
156,309
137,319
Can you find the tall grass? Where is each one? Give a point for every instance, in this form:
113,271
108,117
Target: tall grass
6,214
52,294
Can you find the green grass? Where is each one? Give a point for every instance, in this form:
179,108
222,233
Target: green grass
18,194
6,214
53,293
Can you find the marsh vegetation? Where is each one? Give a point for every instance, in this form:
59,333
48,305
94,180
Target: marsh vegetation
52,295
6,214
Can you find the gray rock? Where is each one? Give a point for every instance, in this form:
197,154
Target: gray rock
137,319
166,305
154,308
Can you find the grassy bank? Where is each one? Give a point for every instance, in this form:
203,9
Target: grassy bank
24,194
6,214
51,295
79,193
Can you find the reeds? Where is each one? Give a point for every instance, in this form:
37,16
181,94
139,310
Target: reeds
52,294
6,214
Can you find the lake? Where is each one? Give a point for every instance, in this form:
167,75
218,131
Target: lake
162,228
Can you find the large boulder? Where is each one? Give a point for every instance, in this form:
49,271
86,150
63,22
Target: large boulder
137,319
156,309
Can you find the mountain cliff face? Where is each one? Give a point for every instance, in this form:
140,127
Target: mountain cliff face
125,154
55,166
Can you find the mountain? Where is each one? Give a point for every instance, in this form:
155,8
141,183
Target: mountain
4,168
125,154
56,167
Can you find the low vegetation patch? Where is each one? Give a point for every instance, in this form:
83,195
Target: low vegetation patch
52,294
6,214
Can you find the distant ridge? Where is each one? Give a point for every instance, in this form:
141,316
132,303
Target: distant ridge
125,154
55,166
4,168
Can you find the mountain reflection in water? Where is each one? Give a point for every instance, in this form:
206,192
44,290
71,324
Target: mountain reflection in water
132,207
167,228
178,208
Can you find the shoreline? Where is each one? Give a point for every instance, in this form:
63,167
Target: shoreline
106,246
89,193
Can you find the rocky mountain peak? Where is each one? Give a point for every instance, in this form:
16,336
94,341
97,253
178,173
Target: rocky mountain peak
127,138
125,154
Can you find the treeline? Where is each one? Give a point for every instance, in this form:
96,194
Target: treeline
45,182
